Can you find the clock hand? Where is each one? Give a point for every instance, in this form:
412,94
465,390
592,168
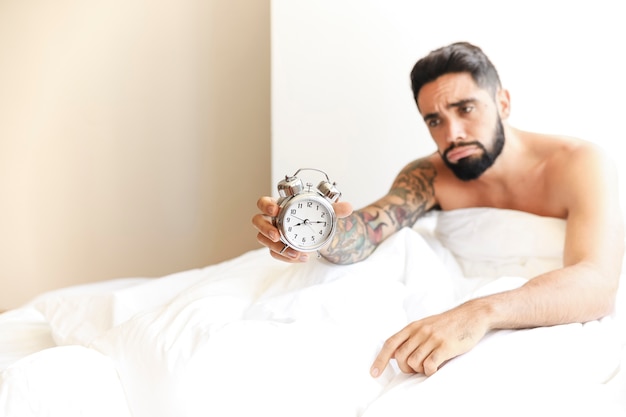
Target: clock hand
302,221
305,222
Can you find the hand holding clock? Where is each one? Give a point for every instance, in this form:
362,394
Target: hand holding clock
269,235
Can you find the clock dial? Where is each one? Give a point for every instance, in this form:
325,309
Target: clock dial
307,222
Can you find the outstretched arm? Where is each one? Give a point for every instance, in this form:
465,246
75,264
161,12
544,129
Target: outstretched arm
360,232
411,195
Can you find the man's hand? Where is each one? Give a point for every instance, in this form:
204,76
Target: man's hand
425,345
269,236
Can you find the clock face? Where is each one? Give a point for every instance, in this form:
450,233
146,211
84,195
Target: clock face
307,222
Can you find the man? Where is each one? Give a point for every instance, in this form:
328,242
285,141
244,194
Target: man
482,161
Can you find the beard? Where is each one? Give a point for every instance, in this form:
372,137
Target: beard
472,167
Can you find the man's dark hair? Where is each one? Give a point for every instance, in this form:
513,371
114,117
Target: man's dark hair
455,58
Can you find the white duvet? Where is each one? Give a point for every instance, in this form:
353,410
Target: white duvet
256,337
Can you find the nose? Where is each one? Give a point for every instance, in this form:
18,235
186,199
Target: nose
455,131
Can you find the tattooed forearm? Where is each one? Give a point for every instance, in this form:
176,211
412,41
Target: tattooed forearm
356,238
359,234
414,190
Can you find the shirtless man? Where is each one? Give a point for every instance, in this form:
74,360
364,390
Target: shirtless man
482,161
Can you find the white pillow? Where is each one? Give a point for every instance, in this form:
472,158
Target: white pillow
489,242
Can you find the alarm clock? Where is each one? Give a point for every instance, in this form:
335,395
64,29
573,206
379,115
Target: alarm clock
306,219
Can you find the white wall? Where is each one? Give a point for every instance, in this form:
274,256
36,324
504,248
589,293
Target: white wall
134,137
341,98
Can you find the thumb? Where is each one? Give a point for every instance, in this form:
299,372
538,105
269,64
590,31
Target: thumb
342,209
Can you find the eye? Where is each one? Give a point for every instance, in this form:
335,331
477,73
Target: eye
467,109
433,122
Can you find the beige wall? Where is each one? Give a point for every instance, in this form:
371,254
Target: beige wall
134,137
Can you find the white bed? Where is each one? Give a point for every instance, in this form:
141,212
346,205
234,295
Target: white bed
256,337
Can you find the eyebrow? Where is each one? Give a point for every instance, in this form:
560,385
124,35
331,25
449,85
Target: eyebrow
456,104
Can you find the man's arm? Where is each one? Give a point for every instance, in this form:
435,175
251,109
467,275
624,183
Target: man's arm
583,290
359,233
411,195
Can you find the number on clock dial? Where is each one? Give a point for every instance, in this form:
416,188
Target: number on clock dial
307,223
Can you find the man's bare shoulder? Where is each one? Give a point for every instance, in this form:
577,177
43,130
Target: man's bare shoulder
564,154
415,183
420,173
575,171
561,146
428,170
432,180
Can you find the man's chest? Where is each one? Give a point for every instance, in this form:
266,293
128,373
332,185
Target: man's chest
530,195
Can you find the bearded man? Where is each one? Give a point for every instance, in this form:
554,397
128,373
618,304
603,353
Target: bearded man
482,161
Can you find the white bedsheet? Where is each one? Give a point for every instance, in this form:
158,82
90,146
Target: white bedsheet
253,336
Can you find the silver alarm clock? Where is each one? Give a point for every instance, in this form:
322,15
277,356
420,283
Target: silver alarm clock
306,219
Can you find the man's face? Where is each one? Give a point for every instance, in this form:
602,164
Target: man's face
464,122
472,167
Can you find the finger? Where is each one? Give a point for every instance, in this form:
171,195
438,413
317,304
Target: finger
268,206
290,256
342,209
386,353
437,358
433,362
278,248
282,252
417,359
265,227
410,355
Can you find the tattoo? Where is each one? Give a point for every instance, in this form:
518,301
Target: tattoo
415,189
412,194
374,227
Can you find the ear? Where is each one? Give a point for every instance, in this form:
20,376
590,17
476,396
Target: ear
503,101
